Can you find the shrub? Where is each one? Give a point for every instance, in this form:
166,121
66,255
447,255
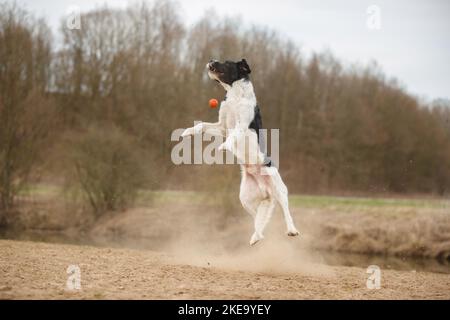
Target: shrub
107,166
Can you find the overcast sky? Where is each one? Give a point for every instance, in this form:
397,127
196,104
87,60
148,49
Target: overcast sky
413,43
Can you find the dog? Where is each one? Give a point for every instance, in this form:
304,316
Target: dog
262,188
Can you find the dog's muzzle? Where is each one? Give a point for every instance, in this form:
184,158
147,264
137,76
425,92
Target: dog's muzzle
210,66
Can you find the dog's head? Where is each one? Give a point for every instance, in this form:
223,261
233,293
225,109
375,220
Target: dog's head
228,72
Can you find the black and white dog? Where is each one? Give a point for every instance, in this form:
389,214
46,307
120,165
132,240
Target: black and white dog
239,119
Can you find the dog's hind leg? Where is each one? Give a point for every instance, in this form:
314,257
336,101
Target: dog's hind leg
284,203
280,193
263,215
252,199
248,194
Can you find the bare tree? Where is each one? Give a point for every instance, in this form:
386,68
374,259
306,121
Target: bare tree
25,57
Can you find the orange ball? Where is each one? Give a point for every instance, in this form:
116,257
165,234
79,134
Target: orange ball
213,103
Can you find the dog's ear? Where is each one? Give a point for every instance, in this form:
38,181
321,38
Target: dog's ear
244,67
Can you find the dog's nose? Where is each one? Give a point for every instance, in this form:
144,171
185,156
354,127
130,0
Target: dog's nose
210,64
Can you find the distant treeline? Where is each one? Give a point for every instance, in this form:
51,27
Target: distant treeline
136,74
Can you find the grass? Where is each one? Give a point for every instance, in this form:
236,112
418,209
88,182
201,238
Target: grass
147,197
165,196
305,201
42,190
333,201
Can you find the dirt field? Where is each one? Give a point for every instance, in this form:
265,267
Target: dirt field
30,270
418,228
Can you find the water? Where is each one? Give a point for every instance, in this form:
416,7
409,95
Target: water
385,262
326,257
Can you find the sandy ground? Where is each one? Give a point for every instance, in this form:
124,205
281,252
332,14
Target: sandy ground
32,270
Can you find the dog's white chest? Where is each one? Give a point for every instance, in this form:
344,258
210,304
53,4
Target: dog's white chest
234,112
228,114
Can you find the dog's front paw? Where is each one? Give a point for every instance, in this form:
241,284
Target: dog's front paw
222,147
191,131
198,128
188,132
225,146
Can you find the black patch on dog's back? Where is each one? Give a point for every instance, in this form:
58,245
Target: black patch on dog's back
256,125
